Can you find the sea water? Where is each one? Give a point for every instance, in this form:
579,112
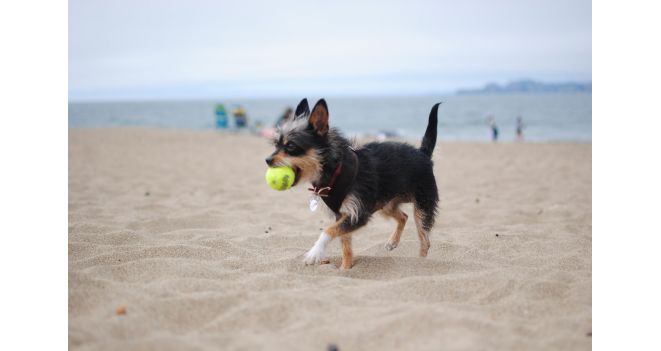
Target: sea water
546,117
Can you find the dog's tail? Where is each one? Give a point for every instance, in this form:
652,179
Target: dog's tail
429,140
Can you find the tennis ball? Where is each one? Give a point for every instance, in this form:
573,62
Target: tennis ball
280,178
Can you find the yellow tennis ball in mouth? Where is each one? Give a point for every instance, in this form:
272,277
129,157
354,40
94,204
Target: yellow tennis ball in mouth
280,178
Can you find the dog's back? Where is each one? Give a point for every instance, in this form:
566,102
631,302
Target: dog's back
400,172
397,170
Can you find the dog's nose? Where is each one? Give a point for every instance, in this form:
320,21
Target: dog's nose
269,160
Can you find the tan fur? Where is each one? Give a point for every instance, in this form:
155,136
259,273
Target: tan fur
392,210
347,253
319,119
423,235
279,159
335,229
308,164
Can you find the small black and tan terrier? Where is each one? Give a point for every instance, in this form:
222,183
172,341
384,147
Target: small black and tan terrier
355,182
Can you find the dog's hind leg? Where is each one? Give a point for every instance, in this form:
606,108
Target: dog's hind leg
392,210
424,210
423,231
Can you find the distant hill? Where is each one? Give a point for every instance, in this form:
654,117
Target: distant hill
530,86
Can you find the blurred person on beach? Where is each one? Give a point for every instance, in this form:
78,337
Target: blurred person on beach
519,128
240,117
221,117
494,128
288,114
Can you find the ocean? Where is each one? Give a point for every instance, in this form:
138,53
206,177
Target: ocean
546,117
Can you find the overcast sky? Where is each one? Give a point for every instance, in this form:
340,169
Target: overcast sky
210,49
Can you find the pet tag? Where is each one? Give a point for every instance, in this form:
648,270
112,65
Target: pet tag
313,203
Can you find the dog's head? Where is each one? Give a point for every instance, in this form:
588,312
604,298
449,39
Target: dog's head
301,140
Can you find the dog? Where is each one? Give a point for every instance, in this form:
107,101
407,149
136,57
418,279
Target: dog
356,182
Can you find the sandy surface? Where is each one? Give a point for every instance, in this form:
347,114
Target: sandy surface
177,243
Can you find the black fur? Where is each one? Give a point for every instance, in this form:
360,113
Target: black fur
303,109
375,173
429,140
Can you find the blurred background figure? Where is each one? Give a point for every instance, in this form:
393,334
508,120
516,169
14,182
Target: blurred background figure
289,113
384,135
240,117
494,128
221,117
519,128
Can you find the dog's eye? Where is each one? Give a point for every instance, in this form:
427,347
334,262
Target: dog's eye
292,148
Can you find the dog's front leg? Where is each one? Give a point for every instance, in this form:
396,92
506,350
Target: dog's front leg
316,254
342,228
347,252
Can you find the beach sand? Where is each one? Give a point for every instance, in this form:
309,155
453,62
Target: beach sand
176,243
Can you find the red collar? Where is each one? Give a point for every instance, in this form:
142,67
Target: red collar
324,191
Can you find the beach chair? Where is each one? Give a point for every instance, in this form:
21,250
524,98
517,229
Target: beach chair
222,121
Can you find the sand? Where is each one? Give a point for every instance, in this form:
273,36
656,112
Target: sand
177,243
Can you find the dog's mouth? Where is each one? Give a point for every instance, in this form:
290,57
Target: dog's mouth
297,175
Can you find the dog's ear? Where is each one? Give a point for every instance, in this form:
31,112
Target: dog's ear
319,117
303,109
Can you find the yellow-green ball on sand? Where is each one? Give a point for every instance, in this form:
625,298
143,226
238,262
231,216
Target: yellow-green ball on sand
280,178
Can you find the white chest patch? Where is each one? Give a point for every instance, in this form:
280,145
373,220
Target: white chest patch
351,206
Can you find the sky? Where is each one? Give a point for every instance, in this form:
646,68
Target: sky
146,50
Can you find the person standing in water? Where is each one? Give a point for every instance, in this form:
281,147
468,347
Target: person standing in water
494,128
519,128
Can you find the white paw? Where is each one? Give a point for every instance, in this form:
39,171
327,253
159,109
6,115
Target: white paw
316,253
314,256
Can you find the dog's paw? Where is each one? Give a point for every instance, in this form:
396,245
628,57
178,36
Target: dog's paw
316,253
390,246
314,256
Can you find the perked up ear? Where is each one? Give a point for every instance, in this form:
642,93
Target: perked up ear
303,110
319,117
